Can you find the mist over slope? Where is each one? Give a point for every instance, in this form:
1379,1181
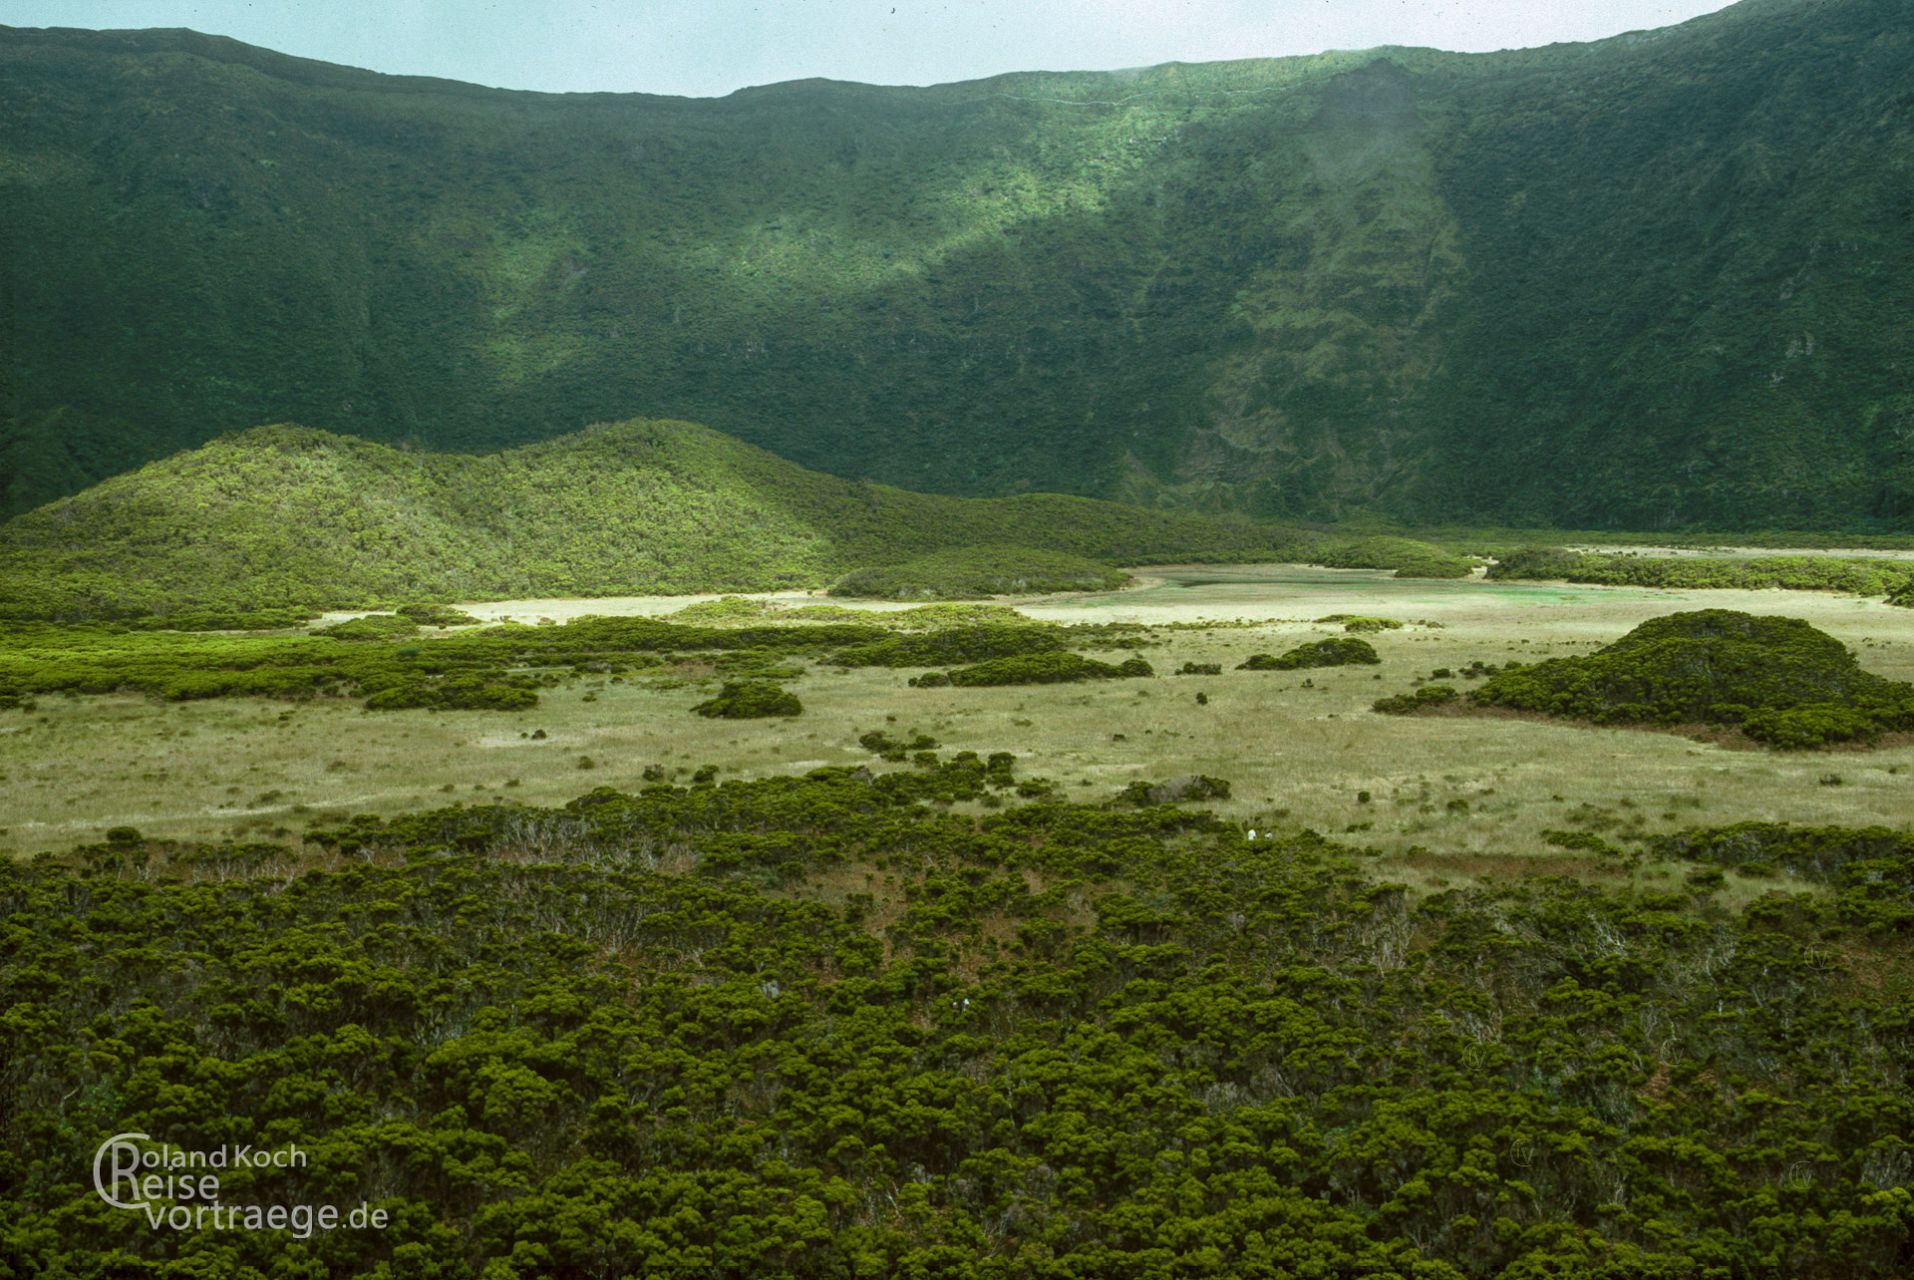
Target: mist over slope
1662,280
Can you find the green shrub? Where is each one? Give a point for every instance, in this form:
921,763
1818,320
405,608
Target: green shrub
1362,624
883,744
1805,728
454,693
1407,556
1034,668
436,615
373,626
1339,651
1427,698
1176,791
750,700
953,645
1780,680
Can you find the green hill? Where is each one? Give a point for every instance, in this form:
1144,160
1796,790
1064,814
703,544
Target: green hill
1663,280
288,515
1778,680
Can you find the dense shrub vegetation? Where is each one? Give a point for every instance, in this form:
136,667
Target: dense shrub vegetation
1795,573
654,1034
501,667
371,626
1034,668
496,666
1338,651
1869,869
1426,698
750,700
969,573
955,644
1779,681
1363,624
1408,557
435,615
1045,280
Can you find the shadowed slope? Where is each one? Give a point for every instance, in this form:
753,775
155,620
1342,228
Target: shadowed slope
1657,281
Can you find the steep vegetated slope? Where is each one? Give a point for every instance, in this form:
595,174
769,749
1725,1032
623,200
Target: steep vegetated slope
1662,280
292,516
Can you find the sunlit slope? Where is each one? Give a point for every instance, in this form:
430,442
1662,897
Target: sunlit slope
288,515
1662,280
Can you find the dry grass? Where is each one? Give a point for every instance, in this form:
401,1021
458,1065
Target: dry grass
1450,798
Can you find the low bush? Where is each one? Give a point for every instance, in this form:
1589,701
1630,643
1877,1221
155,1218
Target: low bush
1200,786
750,700
454,693
1407,556
883,744
1781,681
436,615
373,626
1034,668
1339,651
1805,728
1427,698
1850,575
953,645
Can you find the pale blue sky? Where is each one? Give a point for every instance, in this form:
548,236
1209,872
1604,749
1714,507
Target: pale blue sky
707,47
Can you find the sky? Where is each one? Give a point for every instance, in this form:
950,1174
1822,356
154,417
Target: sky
705,48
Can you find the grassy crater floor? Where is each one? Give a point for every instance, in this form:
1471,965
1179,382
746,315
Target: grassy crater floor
1439,798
